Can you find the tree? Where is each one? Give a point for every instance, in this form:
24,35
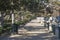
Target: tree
4,4
8,5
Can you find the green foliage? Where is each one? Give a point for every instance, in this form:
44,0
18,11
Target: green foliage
6,27
47,1
4,4
0,30
28,17
7,21
19,23
30,5
57,2
22,22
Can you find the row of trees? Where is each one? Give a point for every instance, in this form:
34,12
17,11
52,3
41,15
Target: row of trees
10,8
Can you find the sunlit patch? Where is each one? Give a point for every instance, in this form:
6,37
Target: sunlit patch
32,34
15,36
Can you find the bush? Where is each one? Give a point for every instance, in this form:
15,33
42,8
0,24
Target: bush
6,28
19,22
6,25
22,22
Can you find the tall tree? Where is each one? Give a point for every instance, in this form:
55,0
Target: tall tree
9,5
4,4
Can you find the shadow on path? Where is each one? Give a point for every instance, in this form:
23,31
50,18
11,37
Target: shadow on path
43,36
33,28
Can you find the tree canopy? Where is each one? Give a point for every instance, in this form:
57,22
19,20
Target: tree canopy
29,4
7,4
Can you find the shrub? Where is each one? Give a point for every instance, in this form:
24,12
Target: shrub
6,25
6,28
19,22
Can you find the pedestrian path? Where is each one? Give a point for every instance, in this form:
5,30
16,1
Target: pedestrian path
29,32
34,31
33,27
35,23
30,36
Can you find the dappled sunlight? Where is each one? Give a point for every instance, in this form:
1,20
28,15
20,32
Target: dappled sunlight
29,20
30,28
11,36
43,36
32,36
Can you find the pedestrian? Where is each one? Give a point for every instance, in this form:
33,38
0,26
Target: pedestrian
49,9
54,24
50,22
48,25
58,22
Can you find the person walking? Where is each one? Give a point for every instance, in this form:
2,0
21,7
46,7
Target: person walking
54,24
49,9
58,22
50,23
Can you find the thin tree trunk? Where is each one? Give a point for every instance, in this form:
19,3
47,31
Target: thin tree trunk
12,15
12,18
1,18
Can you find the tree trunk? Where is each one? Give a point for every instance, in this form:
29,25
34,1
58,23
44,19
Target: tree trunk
12,15
12,18
1,18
